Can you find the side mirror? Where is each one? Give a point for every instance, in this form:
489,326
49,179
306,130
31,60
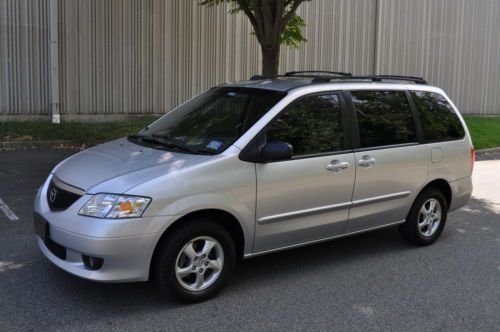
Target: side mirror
274,151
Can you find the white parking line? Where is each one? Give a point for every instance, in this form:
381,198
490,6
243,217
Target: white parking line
8,212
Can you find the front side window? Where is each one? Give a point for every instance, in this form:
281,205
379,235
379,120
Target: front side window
438,118
211,122
311,125
384,118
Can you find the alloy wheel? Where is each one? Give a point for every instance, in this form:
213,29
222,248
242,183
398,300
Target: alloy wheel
199,263
429,217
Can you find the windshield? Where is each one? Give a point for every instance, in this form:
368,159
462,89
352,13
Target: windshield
211,122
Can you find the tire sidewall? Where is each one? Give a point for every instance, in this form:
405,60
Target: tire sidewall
166,278
414,215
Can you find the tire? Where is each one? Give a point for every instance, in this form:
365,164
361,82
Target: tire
178,262
423,229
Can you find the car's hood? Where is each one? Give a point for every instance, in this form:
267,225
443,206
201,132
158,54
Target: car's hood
120,165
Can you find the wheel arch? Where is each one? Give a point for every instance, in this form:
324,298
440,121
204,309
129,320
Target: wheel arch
224,218
443,186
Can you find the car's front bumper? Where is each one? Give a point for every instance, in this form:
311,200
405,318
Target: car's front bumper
125,245
125,258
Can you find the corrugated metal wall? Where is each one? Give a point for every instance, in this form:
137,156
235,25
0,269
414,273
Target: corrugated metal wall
340,36
147,56
454,44
24,57
129,56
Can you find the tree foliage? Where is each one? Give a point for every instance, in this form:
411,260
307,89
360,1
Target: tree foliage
275,22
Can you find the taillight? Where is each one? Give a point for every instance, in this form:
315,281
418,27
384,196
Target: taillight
472,159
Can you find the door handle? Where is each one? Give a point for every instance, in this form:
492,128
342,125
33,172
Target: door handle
366,161
337,165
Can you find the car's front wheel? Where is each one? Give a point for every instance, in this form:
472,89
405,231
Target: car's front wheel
195,261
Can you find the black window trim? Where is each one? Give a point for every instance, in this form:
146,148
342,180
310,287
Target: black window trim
251,152
356,139
352,141
416,117
384,147
422,139
443,140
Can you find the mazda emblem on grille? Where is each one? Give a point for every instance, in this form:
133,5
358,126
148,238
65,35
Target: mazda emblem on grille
53,195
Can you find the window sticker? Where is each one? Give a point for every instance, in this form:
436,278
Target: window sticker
214,145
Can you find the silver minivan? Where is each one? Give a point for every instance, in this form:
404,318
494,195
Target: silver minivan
255,167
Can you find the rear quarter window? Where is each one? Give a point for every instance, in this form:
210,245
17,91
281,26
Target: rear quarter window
438,118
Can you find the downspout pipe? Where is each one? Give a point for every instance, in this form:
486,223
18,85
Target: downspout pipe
54,62
376,44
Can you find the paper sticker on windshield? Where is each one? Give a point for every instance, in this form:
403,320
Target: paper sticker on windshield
214,145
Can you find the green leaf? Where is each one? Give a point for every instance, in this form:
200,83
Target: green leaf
292,35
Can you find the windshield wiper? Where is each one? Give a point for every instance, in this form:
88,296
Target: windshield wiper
172,142
167,141
145,138
134,136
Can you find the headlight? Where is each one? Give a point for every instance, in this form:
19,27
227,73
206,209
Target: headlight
113,206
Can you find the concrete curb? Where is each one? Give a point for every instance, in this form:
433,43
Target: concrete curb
74,144
485,151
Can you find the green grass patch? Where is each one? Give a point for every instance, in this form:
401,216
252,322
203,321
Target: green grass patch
484,130
89,133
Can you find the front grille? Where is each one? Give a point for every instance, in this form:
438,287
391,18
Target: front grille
60,199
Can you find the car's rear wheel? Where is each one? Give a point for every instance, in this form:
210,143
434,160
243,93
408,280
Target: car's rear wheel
195,261
426,219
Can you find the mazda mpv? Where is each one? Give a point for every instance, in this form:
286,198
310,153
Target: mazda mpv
255,167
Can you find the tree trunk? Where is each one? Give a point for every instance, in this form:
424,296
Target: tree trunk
270,61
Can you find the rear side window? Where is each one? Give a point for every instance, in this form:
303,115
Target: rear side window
438,118
384,118
311,125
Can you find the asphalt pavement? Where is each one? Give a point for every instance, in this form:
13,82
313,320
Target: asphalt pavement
373,281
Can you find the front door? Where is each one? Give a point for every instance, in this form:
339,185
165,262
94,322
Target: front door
306,198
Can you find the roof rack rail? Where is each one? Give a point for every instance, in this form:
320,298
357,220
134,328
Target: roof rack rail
259,77
340,76
307,73
415,79
303,74
374,78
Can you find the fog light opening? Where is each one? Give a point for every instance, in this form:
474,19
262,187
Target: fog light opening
92,263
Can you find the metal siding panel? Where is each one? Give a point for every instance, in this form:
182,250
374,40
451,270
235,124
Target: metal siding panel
23,57
4,62
147,56
340,37
453,43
